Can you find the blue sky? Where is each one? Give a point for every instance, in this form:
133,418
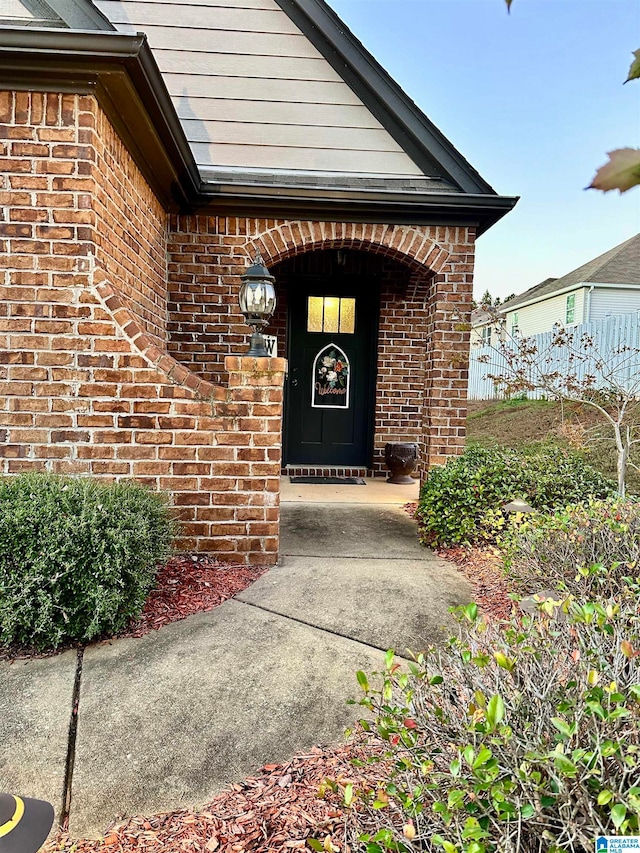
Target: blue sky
533,100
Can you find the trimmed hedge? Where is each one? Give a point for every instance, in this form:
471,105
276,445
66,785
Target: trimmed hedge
77,557
461,502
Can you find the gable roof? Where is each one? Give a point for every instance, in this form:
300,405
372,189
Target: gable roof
538,291
620,265
282,88
437,186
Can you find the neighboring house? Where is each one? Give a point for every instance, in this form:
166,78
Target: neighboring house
606,286
150,148
484,328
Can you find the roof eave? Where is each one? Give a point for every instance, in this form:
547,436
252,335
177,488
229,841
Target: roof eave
507,307
120,70
376,206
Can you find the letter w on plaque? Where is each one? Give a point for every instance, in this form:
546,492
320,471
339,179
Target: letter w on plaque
331,379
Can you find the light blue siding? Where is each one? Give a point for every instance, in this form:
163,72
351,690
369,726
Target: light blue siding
608,301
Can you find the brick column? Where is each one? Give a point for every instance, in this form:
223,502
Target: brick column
255,395
447,357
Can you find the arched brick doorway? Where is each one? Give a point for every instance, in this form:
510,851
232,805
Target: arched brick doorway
423,336
381,347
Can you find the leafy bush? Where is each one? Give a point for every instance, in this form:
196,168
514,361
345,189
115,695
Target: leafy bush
77,557
515,738
589,549
462,501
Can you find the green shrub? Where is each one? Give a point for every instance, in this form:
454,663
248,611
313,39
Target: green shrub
520,737
589,549
77,557
461,502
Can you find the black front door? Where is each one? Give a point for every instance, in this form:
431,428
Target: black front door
332,358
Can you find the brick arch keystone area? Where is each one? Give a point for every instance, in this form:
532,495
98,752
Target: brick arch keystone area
409,245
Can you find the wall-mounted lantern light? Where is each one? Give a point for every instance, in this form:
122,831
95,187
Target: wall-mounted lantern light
257,302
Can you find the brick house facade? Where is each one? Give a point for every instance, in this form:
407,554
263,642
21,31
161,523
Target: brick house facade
121,339
426,275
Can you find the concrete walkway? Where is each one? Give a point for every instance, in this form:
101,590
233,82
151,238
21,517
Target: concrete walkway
168,720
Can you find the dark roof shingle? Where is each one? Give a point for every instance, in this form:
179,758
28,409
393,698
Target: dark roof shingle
620,265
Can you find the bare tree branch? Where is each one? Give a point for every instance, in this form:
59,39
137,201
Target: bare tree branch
571,367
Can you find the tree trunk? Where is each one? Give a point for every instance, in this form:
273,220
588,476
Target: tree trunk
623,452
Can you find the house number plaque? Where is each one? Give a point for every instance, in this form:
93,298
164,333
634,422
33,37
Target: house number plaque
331,379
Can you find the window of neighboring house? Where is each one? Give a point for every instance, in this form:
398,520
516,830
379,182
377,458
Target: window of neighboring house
486,336
570,314
514,324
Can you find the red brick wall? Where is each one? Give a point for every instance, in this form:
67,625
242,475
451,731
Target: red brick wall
425,273
131,225
402,351
447,365
84,387
76,192
206,257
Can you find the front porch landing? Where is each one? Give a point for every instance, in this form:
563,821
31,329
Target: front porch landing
376,491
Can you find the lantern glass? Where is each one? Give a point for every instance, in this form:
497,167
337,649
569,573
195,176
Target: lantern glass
257,299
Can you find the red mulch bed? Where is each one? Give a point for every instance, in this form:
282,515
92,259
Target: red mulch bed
482,568
275,811
188,585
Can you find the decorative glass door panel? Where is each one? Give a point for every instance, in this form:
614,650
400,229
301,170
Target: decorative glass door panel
332,358
331,379
331,314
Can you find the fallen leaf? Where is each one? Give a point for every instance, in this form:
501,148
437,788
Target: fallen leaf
409,831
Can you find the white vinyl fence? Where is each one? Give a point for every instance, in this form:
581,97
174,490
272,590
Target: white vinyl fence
616,339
